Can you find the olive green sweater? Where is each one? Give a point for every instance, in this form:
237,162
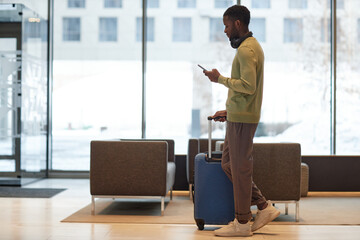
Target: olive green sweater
246,83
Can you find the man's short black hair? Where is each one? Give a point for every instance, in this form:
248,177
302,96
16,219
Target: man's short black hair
238,12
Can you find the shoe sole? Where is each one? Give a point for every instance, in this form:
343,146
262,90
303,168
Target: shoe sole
271,218
233,235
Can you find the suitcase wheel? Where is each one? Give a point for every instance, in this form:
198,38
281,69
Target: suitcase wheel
200,224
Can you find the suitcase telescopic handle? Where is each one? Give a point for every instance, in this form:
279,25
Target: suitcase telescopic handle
210,118
209,132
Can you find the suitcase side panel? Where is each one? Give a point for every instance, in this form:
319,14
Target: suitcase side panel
214,199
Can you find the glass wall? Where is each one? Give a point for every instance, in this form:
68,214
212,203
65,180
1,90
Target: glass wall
296,106
96,79
348,76
98,72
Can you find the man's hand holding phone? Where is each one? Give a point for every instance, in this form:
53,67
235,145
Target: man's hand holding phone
213,75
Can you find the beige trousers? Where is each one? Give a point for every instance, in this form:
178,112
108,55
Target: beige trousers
237,163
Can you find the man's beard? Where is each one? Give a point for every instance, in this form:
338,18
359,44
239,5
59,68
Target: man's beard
234,35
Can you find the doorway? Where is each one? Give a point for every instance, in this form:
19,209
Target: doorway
10,103
23,95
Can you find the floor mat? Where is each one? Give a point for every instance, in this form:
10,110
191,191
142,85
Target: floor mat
316,209
19,192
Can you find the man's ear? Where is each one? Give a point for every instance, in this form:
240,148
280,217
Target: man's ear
238,24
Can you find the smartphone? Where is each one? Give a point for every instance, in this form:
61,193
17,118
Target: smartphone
202,67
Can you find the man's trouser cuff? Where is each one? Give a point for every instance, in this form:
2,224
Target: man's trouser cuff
243,217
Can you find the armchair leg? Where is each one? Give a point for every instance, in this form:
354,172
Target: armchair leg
190,191
162,205
92,205
297,212
171,194
286,208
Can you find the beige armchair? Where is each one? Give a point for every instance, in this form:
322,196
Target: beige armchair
131,168
277,172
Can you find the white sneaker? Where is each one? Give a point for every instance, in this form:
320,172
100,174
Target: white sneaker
235,229
265,216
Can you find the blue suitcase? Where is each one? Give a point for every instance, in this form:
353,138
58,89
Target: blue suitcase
213,193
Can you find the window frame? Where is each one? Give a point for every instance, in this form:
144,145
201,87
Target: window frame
150,35
266,4
151,4
108,3
72,3
289,36
186,3
303,4
213,35
65,35
262,40
221,4
104,32
175,33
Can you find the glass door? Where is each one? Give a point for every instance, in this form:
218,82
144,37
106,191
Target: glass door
23,95
10,102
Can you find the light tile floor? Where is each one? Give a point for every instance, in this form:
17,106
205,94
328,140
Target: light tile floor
26,218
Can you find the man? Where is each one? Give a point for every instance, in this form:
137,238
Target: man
242,114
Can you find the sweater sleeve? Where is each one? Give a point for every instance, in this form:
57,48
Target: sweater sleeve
247,82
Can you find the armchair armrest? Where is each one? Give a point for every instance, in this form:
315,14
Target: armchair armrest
171,145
